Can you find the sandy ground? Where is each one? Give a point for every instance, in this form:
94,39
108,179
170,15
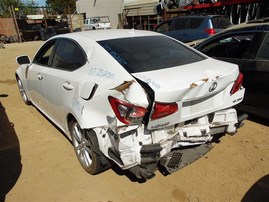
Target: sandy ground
37,162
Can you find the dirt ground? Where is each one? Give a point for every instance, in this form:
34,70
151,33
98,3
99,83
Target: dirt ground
37,162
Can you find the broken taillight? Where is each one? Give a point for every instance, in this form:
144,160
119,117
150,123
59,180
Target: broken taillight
210,31
127,113
237,84
163,109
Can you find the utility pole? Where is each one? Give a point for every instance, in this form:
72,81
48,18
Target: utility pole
15,22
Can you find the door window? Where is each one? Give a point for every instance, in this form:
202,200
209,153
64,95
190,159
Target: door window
195,23
44,55
263,53
68,56
178,24
232,46
164,27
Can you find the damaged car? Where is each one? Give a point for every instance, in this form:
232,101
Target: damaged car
137,99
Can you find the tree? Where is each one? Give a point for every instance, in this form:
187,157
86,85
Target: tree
29,7
5,7
62,6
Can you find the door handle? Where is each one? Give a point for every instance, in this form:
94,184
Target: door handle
67,86
39,77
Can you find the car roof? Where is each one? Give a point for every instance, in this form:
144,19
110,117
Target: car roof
258,25
250,25
100,35
198,16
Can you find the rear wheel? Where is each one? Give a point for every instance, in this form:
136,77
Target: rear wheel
22,92
87,149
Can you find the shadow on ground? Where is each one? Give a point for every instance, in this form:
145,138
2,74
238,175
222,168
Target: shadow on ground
259,192
258,120
10,158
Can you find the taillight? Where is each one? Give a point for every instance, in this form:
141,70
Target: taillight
163,109
238,83
127,113
210,31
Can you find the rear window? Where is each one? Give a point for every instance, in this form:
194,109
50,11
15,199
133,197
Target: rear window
139,54
220,22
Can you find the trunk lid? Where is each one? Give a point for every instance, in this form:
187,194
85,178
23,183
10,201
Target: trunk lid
191,81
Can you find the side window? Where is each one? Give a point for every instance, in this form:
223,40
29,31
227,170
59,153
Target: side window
194,23
232,46
220,22
263,53
178,24
44,54
164,27
68,56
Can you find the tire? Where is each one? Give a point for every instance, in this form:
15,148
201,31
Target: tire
22,92
86,147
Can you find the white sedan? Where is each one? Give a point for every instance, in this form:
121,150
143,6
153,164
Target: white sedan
137,98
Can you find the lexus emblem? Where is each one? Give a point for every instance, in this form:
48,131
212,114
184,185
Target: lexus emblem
213,87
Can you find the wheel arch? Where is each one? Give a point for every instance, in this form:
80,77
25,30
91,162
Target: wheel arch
24,84
69,117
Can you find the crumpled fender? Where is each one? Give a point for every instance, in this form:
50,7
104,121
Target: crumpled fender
98,112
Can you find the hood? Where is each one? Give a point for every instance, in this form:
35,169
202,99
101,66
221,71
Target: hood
192,81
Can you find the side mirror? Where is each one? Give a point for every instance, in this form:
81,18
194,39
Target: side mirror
21,60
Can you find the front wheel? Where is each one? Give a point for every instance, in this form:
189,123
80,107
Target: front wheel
87,150
22,92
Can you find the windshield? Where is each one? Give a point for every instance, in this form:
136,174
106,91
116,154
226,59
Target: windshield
139,54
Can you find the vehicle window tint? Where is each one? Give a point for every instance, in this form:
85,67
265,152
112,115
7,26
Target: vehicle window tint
141,54
263,53
178,23
220,22
194,23
44,54
234,46
68,56
164,27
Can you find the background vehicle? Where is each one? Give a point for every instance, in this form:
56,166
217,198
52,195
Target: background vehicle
99,22
190,28
118,97
247,45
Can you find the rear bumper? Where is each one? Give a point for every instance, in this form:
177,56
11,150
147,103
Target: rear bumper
178,158
174,147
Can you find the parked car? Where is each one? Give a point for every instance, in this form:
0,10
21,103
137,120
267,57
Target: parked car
192,27
99,22
138,98
247,45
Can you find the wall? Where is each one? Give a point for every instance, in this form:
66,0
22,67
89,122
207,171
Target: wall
7,27
111,8
141,8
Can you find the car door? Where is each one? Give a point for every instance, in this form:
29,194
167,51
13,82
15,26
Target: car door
35,75
240,48
62,80
260,77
